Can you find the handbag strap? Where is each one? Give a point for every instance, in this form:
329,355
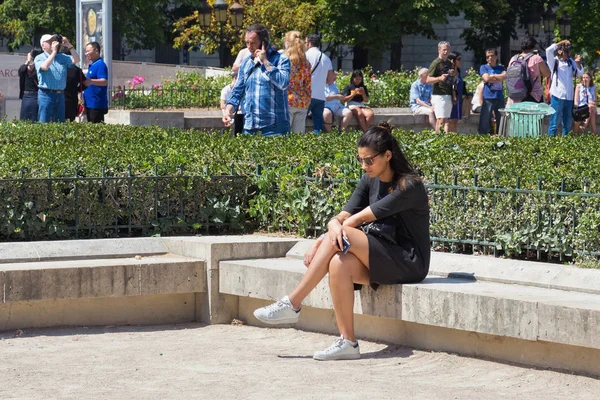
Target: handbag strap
317,63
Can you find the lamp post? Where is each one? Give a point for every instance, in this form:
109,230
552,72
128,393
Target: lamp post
547,22
237,20
564,26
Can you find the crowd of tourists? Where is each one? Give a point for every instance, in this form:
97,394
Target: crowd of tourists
52,88
273,92
440,90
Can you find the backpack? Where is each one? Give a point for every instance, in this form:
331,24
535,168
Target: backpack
518,81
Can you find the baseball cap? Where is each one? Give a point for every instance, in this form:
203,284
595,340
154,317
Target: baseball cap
45,38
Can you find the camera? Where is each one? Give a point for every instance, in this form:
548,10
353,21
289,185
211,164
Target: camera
58,38
566,48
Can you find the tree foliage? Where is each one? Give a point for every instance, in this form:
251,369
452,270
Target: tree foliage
494,22
376,24
585,31
279,16
141,23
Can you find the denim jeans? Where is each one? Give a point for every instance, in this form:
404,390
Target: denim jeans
563,110
489,106
29,107
277,129
316,109
51,106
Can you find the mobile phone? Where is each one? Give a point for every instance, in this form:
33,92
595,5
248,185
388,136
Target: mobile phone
346,244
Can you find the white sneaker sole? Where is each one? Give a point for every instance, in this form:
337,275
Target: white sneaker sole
355,356
276,321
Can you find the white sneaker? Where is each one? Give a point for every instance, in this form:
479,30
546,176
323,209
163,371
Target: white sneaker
280,312
340,349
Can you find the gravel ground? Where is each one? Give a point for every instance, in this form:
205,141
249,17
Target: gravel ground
242,362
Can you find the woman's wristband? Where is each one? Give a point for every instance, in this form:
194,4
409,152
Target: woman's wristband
337,219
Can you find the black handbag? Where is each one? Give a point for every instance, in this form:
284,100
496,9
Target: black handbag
581,113
385,228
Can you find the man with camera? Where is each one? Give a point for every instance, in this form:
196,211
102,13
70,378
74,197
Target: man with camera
564,69
51,67
440,76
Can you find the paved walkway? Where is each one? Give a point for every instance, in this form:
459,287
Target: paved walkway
194,361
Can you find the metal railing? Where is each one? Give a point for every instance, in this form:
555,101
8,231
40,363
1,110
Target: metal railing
531,223
161,98
125,98
124,205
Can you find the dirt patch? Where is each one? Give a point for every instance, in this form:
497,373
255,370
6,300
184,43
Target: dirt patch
238,361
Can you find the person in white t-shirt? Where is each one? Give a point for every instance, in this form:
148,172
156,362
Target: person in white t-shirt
240,57
321,74
238,119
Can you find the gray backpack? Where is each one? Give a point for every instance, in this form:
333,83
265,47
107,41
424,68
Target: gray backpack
518,81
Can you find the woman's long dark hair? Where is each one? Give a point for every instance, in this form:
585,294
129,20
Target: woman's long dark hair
355,73
379,139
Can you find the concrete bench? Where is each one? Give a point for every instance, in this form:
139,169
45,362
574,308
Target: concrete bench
529,313
120,281
537,314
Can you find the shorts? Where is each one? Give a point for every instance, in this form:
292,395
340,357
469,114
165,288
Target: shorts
442,105
422,111
359,104
339,112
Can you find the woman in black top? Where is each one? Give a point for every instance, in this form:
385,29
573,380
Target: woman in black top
75,78
395,250
28,87
355,96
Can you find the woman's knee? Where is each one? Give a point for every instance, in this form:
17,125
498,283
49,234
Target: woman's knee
338,268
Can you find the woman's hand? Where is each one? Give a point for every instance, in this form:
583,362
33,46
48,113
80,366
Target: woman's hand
335,233
310,253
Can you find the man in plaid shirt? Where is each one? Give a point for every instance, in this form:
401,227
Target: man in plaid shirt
261,87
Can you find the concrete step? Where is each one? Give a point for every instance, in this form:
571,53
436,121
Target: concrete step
508,310
80,249
491,269
104,277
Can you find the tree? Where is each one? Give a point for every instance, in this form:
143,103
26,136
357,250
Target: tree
279,16
494,23
142,25
373,26
585,31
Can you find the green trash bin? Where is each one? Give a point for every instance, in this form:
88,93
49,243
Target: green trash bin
523,119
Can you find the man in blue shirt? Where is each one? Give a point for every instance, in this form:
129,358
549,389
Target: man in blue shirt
95,95
420,97
493,95
262,83
51,67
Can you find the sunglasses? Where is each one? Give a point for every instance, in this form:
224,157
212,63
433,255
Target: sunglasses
366,160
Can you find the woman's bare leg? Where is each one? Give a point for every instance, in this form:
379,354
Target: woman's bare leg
369,116
319,266
592,119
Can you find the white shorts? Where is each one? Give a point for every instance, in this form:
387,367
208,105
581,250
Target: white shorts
442,105
422,111
339,112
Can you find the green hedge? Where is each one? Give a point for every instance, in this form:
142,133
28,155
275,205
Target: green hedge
280,197
192,89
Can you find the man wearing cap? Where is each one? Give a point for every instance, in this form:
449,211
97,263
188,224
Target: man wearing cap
51,69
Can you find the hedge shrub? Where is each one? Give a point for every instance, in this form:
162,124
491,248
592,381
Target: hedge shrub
281,197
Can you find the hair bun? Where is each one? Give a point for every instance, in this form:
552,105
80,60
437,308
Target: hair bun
386,125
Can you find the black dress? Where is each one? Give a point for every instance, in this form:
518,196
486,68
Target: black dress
408,260
75,78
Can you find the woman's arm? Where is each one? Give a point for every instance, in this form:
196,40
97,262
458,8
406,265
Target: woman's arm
577,95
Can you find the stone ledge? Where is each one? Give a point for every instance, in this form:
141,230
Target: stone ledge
532,313
79,249
499,270
76,279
